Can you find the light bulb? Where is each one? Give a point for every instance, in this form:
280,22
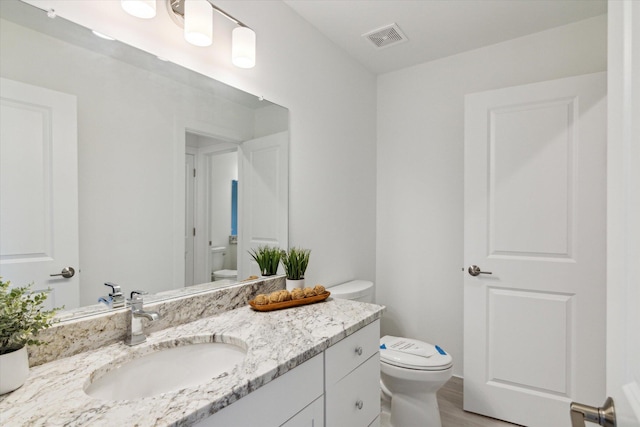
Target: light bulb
243,47
198,22
144,9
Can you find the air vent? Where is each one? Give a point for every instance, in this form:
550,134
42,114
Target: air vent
386,36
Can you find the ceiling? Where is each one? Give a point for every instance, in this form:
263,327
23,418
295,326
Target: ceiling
435,28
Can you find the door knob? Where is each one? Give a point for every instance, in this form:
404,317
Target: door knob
605,416
66,272
474,270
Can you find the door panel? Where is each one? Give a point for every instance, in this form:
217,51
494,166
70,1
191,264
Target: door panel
530,213
539,342
535,218
39,193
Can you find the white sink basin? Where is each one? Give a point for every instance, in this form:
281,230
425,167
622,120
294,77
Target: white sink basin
165,370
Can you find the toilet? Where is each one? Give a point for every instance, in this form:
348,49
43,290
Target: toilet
411,371
217,263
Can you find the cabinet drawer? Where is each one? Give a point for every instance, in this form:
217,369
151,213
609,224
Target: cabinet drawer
346,355
354,401
311,416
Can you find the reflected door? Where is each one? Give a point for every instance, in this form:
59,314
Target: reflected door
263,181
39,190
189,224
534,329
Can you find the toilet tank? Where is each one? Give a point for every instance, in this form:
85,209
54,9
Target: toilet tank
356,290
217,258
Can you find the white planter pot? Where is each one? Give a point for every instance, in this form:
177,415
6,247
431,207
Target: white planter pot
14,370
292,284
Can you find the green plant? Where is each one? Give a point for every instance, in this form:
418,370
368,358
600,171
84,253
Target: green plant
268,259
22,317
295,262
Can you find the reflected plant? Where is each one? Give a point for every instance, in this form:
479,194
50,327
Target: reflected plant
268,259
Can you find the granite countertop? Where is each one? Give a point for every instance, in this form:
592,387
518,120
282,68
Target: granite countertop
276,341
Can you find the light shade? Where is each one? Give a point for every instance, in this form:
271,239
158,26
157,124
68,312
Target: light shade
144,9
198,22
243,47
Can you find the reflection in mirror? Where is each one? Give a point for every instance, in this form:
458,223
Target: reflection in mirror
139,127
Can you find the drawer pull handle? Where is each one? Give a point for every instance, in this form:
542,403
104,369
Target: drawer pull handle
359,351
359,404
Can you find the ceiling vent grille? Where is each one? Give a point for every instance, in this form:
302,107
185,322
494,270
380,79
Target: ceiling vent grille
386,36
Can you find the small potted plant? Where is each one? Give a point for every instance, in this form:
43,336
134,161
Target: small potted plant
295,262
268,259
21,318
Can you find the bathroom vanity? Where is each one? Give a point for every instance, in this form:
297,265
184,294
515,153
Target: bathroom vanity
311,363
339,387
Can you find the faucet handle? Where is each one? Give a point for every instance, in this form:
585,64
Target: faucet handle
137,295
115,289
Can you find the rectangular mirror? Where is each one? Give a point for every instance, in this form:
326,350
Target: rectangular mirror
149,148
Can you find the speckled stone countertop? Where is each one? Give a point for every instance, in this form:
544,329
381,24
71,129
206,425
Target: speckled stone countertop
276,341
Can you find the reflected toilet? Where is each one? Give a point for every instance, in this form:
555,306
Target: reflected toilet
218,272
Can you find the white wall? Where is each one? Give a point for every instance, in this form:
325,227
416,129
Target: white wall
332,117
270,120
420,170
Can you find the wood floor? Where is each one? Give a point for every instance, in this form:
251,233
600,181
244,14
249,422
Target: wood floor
451,413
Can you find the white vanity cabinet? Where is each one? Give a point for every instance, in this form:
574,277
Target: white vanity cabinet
337,388
352,379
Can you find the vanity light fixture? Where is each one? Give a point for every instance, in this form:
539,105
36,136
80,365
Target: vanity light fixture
145,9
198,22
196,17
243,47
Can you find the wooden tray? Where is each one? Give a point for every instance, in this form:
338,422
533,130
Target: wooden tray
288,304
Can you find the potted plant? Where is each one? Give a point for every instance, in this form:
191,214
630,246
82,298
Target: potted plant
295,262
21,318
268,259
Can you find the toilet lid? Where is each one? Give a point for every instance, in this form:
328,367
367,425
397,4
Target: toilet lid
413,354
225,273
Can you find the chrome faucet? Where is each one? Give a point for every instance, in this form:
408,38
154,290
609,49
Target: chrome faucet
135,334
115,299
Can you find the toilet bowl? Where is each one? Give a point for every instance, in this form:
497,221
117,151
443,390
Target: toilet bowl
411,371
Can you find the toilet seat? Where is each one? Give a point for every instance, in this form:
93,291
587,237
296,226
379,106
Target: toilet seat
226,274
413,354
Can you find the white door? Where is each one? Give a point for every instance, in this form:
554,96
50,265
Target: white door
39,190
623,214
189,215
262,199
534,329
